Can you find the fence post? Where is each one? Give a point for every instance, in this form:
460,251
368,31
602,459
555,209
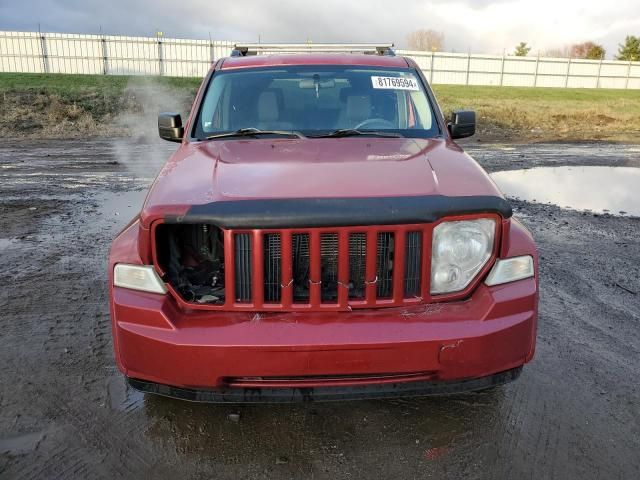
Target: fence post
212,51
535,75
566,78
160,64
502,69
45,55
599,70
431,67
466,82
105,60
626,83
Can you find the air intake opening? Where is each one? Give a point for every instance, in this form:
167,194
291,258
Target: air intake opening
413,264
243,266
357,265
329,267
384,265
301,265
272,266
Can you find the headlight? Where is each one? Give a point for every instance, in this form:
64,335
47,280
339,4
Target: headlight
138,277
460,250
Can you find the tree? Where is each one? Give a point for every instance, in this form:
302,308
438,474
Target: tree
558,52
522,50
425,40
630,50
597,52
587,50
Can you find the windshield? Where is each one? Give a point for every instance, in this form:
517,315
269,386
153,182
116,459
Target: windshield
316,101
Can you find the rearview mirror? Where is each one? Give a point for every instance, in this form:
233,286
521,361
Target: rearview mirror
170,127
311,83
463,123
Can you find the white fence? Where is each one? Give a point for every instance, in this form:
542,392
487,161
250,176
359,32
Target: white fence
107,54
456,68
119,55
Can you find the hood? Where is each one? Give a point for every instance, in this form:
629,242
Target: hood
205,172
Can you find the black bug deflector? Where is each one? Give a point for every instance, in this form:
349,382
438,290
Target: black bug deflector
338,212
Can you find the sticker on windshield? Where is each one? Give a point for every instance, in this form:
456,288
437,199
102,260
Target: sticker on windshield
395,83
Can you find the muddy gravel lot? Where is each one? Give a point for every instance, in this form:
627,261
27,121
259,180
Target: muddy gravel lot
65,411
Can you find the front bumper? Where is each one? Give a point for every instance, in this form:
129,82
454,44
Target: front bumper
220,356
325,394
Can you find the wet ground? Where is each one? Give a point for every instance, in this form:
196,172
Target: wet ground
65,411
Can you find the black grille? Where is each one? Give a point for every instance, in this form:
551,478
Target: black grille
272,256
412,266
384,270
243,267
357,265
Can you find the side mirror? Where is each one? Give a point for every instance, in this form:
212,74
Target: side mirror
170,127
463,123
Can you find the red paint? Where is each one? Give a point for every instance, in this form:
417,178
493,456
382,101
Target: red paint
477,332
204,172
435,452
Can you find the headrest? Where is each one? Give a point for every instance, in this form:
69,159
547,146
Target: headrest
358,107
268,110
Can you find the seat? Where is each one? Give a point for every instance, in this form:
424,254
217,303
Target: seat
269,113
357,109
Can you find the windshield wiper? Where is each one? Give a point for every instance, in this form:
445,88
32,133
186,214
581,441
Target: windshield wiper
255,132
353,132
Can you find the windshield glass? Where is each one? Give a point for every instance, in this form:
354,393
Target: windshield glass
317,100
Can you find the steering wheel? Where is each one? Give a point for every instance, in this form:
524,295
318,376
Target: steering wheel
374,123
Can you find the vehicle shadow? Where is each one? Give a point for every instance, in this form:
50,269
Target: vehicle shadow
301,437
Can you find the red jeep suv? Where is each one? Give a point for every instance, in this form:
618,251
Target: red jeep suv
318,235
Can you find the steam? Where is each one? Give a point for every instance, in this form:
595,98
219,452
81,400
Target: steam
141,150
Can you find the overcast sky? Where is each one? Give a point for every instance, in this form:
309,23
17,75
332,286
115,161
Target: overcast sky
482,26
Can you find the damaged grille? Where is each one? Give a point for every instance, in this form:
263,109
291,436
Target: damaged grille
339,267
316,278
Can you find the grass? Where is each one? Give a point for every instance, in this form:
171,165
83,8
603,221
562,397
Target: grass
64,84
72,105
548,113
43,105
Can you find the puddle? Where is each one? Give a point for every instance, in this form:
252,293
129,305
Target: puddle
20,444
7,242
124,204
612,190
122,398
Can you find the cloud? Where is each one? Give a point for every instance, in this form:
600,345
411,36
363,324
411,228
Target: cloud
482,26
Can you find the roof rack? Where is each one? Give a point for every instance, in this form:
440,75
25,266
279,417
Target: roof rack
246,49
